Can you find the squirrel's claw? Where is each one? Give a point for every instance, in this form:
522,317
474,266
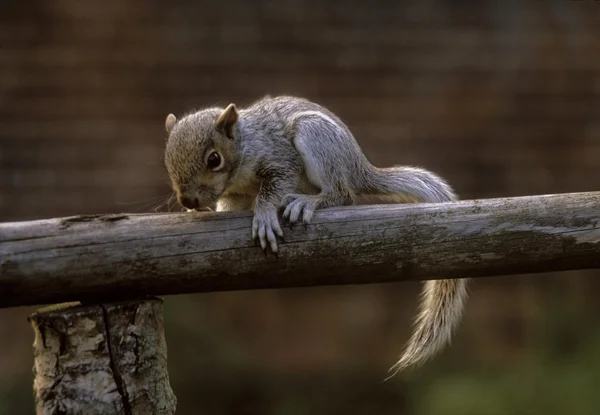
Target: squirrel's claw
299,206
266,228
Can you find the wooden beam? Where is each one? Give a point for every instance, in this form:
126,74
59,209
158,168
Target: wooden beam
127,256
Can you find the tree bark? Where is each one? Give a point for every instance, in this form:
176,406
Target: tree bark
126,256
99,359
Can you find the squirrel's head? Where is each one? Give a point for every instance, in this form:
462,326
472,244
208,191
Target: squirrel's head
200,154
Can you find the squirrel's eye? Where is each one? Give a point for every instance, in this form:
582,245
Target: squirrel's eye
213,161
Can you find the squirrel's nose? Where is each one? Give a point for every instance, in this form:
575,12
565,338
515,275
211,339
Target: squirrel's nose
189,202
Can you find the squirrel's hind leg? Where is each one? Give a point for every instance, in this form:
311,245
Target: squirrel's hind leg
325,154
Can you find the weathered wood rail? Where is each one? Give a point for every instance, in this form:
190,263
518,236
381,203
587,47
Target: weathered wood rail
106,357
128,256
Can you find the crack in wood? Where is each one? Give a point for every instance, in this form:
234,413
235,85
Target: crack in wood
66,222
113,365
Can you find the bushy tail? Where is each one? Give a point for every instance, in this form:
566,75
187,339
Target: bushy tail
440,312
404,184
442,300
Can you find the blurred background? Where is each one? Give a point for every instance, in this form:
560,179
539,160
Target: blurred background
502,98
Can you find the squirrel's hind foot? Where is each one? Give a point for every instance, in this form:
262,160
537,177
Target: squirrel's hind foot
299,207
302,207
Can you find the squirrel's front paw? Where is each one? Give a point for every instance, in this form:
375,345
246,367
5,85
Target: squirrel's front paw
265,226
296,205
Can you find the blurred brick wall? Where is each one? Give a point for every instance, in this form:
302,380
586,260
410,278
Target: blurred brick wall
502,98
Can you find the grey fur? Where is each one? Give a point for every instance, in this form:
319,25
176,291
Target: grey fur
293,153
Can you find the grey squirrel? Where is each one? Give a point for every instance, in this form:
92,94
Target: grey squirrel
292,154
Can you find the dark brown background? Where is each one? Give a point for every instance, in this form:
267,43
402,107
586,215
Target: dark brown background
500,97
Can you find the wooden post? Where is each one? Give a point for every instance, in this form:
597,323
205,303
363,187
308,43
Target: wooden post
98,359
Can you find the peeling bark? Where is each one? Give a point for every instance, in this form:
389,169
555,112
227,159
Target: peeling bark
101,359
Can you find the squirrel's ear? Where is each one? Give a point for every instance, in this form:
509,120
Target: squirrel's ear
170,122
227,120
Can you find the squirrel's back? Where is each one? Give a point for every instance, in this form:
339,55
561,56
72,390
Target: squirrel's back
285,108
